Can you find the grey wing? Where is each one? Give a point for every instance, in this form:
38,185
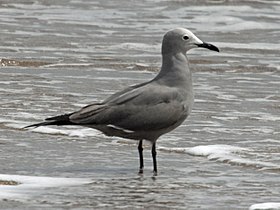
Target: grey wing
126,94
151,117
141,108
96,113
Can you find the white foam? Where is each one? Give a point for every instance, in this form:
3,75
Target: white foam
82,133
66,130
30,185
225,118
267,206
224,153
215,151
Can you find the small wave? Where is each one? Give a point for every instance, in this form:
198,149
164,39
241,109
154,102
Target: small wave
26,184
224,153
67,131
267,206
82,133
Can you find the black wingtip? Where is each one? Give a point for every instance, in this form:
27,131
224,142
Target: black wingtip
36,125
57,120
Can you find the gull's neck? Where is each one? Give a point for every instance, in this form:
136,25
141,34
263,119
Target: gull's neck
175,70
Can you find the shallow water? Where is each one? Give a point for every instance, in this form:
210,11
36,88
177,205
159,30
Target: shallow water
58,56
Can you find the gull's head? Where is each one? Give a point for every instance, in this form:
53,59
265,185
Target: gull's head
182,40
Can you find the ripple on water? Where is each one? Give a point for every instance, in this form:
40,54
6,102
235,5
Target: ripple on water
58,57
227,154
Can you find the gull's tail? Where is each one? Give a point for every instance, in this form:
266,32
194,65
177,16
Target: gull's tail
57,120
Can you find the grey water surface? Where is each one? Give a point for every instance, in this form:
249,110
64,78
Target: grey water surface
57,56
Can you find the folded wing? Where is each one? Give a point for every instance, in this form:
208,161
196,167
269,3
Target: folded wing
137,108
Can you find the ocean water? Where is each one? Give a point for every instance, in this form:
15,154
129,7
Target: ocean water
58,56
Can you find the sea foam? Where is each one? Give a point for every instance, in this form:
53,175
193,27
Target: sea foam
265,206
28,185
225,153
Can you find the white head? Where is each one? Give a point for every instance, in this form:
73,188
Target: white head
182,40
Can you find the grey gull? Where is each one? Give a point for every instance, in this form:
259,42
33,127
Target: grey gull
148,110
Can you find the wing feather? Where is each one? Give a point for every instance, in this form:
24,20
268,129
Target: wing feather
138,108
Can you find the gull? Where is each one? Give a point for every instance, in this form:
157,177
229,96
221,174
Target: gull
148,110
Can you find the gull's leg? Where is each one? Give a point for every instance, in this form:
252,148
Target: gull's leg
154,154
140,150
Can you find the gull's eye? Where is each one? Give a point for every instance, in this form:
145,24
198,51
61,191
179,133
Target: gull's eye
185,37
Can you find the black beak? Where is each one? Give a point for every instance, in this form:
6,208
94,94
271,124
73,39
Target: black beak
209,46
